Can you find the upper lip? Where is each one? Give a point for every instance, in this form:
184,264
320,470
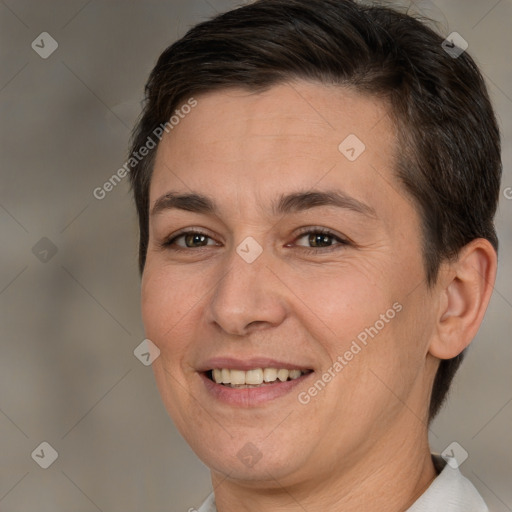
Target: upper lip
249,364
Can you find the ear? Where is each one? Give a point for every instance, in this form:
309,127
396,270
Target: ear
465,287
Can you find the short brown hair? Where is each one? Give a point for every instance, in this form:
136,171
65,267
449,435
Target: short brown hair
449,155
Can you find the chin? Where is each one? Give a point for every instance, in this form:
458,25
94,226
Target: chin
244,459
264,473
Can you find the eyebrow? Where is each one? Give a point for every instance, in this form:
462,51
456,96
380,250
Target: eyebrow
285,204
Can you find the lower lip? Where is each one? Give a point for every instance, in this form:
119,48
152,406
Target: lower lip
249,397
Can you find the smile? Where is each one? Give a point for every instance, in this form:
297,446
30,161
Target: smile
253,378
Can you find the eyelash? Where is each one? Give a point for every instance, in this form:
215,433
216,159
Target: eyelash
169,243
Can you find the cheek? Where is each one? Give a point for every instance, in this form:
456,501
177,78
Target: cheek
166,299
370,322
167,302
342,301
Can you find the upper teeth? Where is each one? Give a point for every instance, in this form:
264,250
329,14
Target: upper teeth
254,377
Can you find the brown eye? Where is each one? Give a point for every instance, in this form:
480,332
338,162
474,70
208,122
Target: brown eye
189,240
321,239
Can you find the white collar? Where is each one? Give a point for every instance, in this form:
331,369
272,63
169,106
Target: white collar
451,491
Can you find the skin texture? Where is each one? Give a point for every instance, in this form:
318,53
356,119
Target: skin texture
360,443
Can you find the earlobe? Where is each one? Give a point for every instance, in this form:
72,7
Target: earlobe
465,293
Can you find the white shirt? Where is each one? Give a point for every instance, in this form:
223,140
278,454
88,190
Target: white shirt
449,492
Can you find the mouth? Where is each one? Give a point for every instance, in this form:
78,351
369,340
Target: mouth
253,378
251,382
247,385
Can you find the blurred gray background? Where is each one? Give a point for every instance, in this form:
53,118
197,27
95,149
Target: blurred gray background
69,284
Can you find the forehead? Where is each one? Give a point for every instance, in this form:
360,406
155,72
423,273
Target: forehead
293,136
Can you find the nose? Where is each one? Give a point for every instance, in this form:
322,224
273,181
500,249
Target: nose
247,297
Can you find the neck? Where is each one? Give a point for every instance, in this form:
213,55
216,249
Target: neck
390,478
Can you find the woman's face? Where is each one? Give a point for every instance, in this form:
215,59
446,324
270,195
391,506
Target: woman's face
323,296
